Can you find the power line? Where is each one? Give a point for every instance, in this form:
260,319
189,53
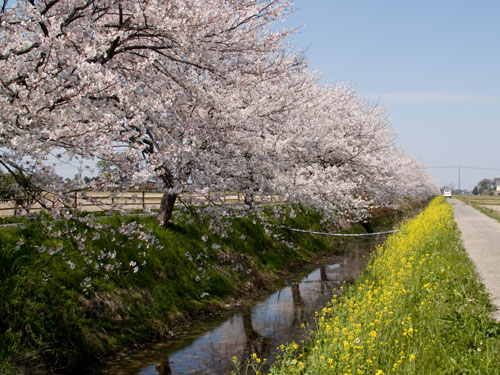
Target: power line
462,166
451,166
485,169
459,169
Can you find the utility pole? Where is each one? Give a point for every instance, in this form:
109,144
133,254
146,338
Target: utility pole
459,180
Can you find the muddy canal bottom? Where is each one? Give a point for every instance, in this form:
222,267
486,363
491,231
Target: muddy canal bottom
208,346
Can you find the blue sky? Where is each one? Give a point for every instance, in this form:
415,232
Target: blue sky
435,65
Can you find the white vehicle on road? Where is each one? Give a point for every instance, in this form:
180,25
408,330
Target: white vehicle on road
447,193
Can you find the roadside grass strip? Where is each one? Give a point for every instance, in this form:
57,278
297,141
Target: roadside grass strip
417,309
485,210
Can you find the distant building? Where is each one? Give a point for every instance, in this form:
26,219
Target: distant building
496,181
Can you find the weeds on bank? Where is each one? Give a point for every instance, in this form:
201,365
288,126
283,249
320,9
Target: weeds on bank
61,310
418,309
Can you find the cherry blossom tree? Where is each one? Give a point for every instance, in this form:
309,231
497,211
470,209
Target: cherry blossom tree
151,87
340,157
145,85
200,95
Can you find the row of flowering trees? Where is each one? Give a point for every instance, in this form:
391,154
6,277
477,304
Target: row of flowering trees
203,96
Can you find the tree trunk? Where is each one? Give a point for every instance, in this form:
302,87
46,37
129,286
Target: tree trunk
166,208
249,199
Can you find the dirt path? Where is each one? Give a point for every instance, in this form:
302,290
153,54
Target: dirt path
481,239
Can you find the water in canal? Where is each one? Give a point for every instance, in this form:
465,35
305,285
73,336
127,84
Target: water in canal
208,346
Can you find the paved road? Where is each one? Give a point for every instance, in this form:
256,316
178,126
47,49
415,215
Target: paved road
481,239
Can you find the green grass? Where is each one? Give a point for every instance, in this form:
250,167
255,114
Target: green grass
10,220
417,309
51,322
477,203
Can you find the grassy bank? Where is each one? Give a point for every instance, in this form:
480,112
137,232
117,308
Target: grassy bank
478,201
418,309
58,314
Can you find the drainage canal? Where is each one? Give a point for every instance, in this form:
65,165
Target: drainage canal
208,346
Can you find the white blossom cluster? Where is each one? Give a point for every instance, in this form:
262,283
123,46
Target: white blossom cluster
81,243
200,96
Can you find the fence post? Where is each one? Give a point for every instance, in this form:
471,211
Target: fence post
143,200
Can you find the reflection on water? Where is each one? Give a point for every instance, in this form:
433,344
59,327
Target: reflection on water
208,346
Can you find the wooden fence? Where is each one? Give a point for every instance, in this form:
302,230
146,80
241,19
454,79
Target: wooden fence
93,201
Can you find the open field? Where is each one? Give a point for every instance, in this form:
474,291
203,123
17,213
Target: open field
484,200
493,207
